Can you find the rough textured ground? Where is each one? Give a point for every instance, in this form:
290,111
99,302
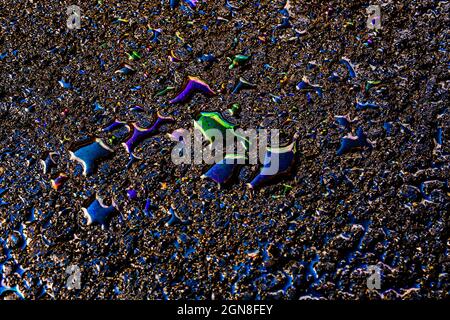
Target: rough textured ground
311,234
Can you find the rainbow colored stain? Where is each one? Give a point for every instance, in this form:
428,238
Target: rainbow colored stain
59,181
239,60
214,120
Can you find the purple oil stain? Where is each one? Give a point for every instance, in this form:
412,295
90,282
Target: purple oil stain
140,134
191,86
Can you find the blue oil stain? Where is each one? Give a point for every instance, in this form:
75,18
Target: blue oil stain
97,212
14,289
90,154
439,136
350,142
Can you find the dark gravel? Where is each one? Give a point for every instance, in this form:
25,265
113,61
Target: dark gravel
311,234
